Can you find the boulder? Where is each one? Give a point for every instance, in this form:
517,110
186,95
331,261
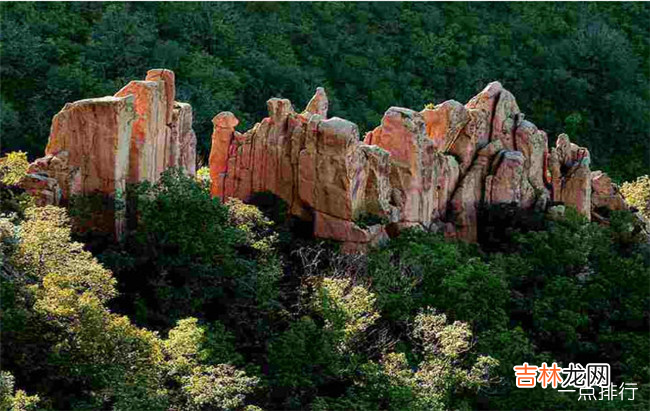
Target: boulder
604,193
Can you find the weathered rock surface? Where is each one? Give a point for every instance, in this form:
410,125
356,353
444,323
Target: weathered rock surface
148,130
432,169
468,196
96,134
317,165
183,140
605,194
509,184
571,176
444,123
98,145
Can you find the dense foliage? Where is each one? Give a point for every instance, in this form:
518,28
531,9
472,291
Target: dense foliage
579,67
60,339
218,306
637,194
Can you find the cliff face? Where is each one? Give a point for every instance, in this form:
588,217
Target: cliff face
100,144
432,168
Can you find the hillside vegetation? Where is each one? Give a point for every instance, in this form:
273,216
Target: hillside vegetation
230,306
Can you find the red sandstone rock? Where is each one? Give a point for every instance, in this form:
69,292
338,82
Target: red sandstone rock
468,196
378,189
444,122
402,134
406,169
45,190
431,169
96,133
504,119
224,130
169,80
447,174
337,168
569,166
533,144
318,104
183,153
509,184
97,145
604,193
149,130
485,104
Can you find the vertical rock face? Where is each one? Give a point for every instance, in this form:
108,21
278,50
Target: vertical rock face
468,196
444,123
168,80
96,134
402,134
98,145
317,165
148,130
183,139
433,169
509,183
571,175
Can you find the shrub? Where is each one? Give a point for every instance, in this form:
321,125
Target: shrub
637,194
435,382
13,167
303,357
203,176
15,400
367,220
347,309
180,222
275,208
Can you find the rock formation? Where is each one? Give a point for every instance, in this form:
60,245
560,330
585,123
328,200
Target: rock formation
432,169
98,145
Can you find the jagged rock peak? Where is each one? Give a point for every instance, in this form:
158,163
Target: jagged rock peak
431,169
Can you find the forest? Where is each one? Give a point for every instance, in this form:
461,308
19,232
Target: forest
207,305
